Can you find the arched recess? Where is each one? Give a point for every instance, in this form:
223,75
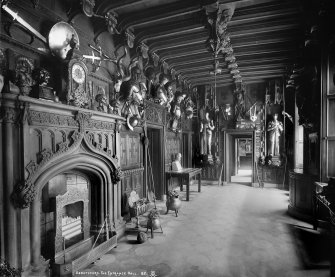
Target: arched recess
83,159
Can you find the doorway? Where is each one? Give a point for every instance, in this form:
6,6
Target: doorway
239,148
155,162
243,160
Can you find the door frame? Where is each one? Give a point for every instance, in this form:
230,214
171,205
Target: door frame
161,158
229,136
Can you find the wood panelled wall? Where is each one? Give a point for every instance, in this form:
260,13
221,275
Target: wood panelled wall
131,160
172,147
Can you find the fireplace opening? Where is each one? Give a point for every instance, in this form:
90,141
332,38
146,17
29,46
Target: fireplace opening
72,223
72,213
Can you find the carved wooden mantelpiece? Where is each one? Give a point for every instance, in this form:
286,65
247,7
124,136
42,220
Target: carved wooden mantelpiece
50,132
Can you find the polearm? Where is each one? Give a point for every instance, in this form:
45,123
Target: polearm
20,20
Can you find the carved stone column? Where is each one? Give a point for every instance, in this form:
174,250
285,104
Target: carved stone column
117,187
35,235
101,206
39,267
115,203
10,228
110,202
119,217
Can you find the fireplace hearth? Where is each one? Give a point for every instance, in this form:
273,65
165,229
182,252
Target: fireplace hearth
72,220
72,223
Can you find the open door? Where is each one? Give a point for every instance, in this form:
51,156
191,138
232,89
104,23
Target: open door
243,160
239,148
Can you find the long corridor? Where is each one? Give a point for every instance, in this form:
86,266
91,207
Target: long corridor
233,230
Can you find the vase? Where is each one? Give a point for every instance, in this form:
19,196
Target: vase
153,223
173,203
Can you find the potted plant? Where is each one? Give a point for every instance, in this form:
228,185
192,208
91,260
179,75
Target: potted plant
153,220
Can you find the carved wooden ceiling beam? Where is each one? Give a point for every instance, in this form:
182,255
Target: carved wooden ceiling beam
264,35
248,67
196,44
158,14
183,65
241,50
119,4
246,72
226,80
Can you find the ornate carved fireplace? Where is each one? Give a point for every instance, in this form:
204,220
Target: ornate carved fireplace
48,140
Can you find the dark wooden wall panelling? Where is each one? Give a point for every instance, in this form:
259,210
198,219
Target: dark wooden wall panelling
131,160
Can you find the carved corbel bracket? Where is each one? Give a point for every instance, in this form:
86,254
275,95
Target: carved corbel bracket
88,7
129,37
173,73
116,175
143,48
165,67
10,115
111,22
155,59
118,126
83,120
23,195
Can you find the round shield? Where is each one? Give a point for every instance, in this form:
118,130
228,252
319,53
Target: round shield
62,38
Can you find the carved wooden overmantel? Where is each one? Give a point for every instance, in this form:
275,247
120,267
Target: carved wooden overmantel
155,113
54,130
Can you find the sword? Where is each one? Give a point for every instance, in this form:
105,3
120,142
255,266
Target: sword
93,57
24,23
107,58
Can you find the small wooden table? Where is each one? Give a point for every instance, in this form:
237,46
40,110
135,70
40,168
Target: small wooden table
185,174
